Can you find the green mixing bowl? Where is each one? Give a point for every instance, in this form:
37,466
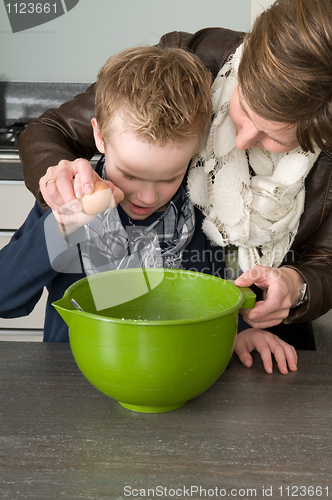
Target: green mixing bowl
153,338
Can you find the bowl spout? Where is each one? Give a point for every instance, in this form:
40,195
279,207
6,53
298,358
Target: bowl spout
66,311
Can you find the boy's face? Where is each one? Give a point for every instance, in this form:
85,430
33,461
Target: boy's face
148,175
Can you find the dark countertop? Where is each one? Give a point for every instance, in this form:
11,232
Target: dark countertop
61,438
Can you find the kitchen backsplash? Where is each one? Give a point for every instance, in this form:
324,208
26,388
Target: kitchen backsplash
24,101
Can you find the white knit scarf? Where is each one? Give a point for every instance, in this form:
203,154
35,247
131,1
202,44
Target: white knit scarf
258,213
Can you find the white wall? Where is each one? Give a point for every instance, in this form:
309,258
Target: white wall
73,47
257,6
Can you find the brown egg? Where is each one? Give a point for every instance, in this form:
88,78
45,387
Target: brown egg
98,201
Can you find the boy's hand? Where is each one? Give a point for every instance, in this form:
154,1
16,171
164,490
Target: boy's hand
69,181
265,343
281,289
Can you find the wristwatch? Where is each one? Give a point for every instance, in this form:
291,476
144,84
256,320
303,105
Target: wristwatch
303,296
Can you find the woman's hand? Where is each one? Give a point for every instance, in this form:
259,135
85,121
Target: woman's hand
266,344
68,221
70,181
281,290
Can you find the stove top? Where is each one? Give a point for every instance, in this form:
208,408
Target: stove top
10,166
21,103
9,134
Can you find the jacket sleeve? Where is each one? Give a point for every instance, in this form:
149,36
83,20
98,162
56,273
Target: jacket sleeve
314,262
59,134
24,268
212,45
27,265
311,253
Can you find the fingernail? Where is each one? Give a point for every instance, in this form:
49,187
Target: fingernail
253,316
79,195
88,188
76,208
247,362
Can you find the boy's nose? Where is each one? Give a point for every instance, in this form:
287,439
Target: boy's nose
148,195
247,136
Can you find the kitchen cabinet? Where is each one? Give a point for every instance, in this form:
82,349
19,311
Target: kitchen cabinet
16,202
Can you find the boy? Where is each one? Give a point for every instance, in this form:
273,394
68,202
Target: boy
152,110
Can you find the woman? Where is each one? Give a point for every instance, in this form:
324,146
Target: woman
265,167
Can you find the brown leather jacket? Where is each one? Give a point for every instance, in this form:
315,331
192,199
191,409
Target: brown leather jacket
66,133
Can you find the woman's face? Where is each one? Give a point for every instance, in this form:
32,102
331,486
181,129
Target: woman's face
253,131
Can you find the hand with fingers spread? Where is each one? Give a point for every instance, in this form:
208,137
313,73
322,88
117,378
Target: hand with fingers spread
266,344
281,291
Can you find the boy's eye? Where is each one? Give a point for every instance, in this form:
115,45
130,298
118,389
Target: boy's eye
129,177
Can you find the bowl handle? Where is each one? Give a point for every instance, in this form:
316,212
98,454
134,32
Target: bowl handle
249,297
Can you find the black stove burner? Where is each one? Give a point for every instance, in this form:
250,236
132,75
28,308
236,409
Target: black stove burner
9,134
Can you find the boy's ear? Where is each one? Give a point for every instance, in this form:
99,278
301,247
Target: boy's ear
97,135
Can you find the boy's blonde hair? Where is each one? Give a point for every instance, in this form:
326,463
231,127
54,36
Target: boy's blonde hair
162,93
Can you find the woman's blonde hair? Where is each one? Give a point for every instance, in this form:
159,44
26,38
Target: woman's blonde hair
163,93
286,70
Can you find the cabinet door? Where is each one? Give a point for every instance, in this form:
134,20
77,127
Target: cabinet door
16,202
